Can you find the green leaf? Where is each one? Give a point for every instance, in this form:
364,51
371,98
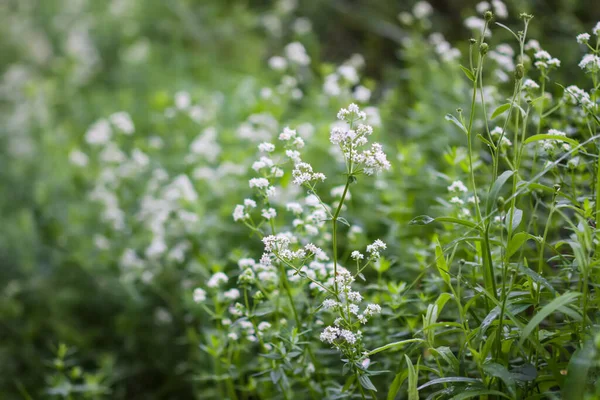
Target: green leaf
275,376
544,136
484,140
394,345
396,384
548,309
578,370
537,278
495,190
421,220
499,371
448,356
468,73
517,241
365,382
478,393
508,29
413,391
449,380
524,373
517,217
452,118
500,110
343,221
440,262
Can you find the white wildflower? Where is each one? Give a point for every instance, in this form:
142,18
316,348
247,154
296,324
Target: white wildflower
232,294
372,309
217,280
78,158
269,213
123,122
277,63
457,186
99,133
199,295
260,183
583,38
296,53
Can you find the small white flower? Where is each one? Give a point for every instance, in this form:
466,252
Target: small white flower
277,63
330,334
287,134
590,61
354,297
260,183
269,213
372,309
182,100
422,9
263,326
232,294
583,38
123,122
78,158
357,255
456,200
99,133
530,84
233,336
266,147
217,280
295,208
362,94
296,53
457,186
199,295
329,304
239,213
348,336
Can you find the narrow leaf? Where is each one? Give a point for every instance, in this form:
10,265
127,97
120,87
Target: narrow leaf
365,382
449,380
413,391
394,345
546,311
468,73
440,262
452,118
517,241
500,110
499,371
537,138
396,384
495,190
478,393
537,278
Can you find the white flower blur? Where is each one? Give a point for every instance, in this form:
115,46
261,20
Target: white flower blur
217,280
199,295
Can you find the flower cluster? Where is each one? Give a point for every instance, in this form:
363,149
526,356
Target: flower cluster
551,146
350,137
345,334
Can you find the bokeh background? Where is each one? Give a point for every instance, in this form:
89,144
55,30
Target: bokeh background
65,64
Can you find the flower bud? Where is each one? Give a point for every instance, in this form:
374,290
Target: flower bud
519,71
488,15
472,41
483,48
